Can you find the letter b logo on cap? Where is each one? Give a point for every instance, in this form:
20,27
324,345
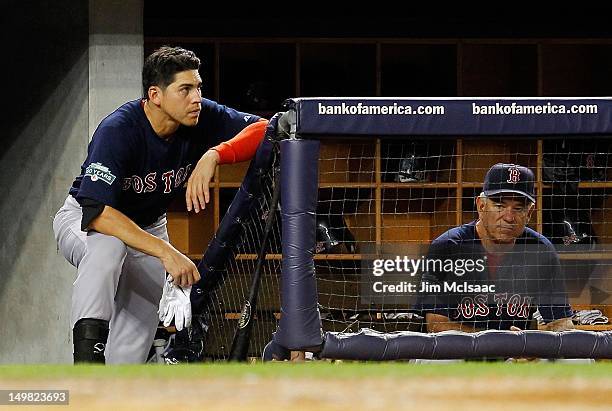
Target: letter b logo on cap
514,175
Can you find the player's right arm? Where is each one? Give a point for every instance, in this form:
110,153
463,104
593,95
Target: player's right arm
238,135
114,146
114,223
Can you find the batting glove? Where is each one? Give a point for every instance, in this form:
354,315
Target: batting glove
175,305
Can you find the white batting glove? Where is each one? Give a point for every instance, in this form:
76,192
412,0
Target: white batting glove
175,304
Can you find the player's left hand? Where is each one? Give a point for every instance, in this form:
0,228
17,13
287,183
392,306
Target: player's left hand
175,304
197,194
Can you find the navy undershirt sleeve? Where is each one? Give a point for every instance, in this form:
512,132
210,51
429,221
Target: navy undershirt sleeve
91,209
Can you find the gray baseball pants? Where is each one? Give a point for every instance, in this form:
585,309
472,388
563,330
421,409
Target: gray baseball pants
114,283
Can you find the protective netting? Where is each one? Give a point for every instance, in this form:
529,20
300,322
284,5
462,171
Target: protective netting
383,198
229,263
392,197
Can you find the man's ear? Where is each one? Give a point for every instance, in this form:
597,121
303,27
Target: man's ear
480,203
530,210
154,95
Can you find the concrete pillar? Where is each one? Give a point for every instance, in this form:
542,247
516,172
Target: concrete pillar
64,81
115,56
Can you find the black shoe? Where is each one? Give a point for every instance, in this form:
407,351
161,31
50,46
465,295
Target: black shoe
574,236
411,170
326,241
333,234
189,343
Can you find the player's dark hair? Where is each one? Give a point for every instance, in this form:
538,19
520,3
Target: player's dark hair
161,66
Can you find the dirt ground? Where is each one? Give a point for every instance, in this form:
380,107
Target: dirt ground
252,392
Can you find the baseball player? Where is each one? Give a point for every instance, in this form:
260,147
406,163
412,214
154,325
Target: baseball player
513,269
112,226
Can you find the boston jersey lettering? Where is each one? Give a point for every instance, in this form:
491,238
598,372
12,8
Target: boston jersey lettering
130,168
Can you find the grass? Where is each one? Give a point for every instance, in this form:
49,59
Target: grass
316,370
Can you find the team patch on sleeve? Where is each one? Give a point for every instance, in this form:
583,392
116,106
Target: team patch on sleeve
96,171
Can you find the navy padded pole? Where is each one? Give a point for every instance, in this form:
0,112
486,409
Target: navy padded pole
300,323
368,344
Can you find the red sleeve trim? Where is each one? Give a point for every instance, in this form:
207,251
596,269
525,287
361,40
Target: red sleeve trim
243,146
